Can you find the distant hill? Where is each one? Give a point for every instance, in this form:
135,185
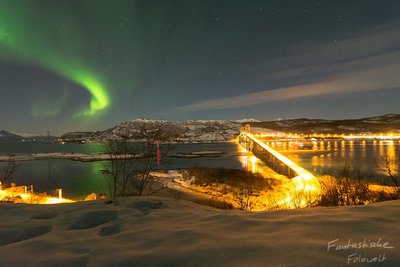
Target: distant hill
7,137
379,124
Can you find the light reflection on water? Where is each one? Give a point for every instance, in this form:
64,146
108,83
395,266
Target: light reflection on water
331,156
251,163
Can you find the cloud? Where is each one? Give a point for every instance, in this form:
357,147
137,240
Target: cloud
366,62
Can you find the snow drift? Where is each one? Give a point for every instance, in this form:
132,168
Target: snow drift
154,231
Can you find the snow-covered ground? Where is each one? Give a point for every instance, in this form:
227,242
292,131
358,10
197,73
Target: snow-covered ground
154,231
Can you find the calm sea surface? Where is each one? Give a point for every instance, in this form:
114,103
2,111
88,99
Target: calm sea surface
81,178
331,157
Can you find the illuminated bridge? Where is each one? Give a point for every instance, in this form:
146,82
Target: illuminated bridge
302,189
273,159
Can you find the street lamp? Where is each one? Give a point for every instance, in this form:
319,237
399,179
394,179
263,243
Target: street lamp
59,193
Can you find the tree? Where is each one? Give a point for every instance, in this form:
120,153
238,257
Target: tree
349,189
390,167
245,197
130,173
9,171
121,168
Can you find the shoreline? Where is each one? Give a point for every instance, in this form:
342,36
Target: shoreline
85,157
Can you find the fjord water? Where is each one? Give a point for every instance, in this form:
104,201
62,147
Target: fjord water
332,157
81,178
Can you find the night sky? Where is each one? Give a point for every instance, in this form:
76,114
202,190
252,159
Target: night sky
89,65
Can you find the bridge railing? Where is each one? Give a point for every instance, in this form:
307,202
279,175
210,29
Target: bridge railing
274,159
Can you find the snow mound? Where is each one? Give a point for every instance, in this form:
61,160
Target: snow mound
154,231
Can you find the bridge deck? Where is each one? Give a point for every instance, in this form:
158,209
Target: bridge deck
303,173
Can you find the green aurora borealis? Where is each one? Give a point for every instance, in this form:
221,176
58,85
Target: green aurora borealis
78,65
22,38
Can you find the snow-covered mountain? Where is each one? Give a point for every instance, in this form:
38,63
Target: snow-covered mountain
184,131
224,130
246,120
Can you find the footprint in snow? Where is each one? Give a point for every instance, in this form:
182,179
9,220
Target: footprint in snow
110,230
9,236
146,206
93,219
